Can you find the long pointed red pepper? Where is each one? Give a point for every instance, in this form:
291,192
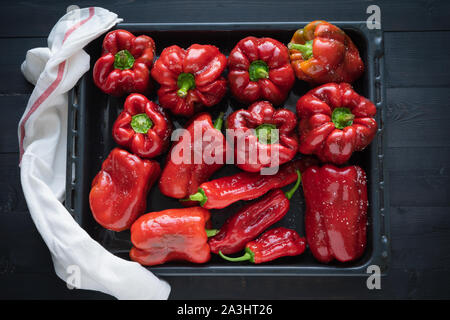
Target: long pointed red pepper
273,244
179,180
251,220
222,192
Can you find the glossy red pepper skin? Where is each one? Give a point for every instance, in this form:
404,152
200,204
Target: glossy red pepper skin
173,234
279,76
205,63
146,145
335,58
222,192
336,212
260,114
179,180
119,191
319,134
117,82
249,222
276,243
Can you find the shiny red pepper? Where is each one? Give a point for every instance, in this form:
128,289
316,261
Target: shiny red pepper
119,191
321,53
335,121
142,127
261,146
259,69
180,179
173,234
222,192
273,244
190,79
251,220
336,212
125,64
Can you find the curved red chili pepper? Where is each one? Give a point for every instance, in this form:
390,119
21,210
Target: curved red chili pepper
143,127
259,69
125,64
261,146
334,122
251,220
273,244
190,78
321,53
222,192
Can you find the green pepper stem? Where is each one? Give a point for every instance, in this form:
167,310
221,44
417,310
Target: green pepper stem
258,70
291,192
248,256
123,60
211,232
185,82
305,49
342,117
141,123
264,133
219,122
200,196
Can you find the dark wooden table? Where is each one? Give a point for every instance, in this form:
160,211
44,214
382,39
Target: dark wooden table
417,49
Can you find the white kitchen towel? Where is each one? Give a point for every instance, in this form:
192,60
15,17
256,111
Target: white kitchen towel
78,259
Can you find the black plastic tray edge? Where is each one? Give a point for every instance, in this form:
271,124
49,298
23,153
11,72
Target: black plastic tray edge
380,226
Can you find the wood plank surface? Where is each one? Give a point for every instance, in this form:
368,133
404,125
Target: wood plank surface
400,15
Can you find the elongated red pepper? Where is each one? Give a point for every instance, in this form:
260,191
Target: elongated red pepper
190,79
273,244
261,146
222,192
321,53
251,220
143,127
259,69
334,122
173,234
183,174
125,64
119,191
336,212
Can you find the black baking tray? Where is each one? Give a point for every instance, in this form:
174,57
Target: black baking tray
92,113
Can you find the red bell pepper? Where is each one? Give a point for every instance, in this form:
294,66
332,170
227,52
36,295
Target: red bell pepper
119,191
125,64
251,220
336,212
321,53
190,79
179,180
259,69
142,127
335,121
261,146
273,244
222,192
173,234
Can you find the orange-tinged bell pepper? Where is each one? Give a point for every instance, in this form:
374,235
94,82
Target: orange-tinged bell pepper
321,53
